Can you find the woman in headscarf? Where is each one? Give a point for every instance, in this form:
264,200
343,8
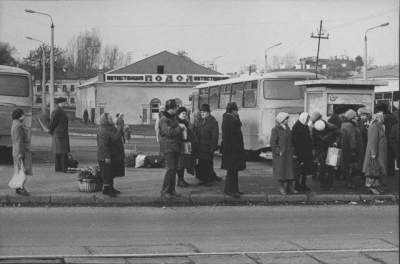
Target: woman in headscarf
302,144
282,154
20,147
233,158
110,154
375,160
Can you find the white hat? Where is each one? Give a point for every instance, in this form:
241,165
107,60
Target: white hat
319,125
303,118
282,116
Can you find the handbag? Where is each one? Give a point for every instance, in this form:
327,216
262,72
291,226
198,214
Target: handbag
333,156
373,169
19,177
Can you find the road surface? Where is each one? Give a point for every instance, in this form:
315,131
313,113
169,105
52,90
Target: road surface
286,234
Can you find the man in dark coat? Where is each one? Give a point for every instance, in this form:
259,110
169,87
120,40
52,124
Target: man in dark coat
394,138
85,116
206,133
170,136
233,157
352,148
302,144
60,138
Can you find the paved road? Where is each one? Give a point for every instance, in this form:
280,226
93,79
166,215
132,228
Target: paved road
197,230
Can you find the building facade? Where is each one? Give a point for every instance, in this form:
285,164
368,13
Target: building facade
138,90
62,88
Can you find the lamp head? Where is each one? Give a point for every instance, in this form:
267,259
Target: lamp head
30,11
385,24
29,38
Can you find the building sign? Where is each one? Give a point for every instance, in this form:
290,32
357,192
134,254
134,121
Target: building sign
361,99
164,78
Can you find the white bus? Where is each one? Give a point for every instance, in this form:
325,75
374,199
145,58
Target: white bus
260,99
15,92
388,95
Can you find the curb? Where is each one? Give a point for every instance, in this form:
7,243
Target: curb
99,200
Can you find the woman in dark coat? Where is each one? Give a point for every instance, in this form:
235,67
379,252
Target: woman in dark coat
186,160
302,144
110,154
282,154
375,161
352,149
206,132
233,157
60,138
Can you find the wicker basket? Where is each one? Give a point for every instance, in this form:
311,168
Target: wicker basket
89,185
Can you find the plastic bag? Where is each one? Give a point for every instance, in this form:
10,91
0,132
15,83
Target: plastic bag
333,156
19,177
139,162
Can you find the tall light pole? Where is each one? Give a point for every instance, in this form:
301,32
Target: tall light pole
51,88
43,73
365,48
266,62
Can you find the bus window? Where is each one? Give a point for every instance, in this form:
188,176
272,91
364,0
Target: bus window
225,96
214,97
203,96
281,89
12,85
250,94
237,94
387,95
378,96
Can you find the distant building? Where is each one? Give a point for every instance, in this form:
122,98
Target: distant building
62,88
138,90
337,67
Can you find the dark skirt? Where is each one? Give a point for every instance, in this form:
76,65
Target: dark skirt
118,168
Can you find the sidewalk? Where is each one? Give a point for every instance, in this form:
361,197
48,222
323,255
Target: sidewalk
141,187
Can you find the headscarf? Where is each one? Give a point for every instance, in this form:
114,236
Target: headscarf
319,125
282,116
350,114
363,111
303,118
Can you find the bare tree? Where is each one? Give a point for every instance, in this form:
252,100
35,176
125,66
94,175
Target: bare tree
113,57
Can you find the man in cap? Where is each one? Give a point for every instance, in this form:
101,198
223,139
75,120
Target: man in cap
206,133
58,129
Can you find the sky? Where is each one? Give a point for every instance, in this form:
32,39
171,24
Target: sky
232,33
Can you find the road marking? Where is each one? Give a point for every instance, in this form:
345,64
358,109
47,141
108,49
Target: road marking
186,254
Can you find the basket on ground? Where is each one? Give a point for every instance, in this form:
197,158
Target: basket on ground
89,180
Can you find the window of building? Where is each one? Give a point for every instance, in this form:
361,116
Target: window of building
72,87
155,108
72,100
237,94
64,88
225,96
203,96
38,100
160,69
47,88
250,94
214,97
38,88
55,88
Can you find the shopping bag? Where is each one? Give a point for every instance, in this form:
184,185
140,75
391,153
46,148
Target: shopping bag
18,179
139,162
333,156
373,170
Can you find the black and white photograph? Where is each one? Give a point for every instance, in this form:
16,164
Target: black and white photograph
199,131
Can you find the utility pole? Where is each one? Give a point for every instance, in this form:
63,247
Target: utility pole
320,35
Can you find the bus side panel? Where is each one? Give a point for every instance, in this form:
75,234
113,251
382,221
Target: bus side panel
267,122
250,127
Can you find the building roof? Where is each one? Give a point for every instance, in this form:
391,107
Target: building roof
381,72
173,64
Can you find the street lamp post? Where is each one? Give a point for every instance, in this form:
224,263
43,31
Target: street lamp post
43,73
266,62
51,88
365,48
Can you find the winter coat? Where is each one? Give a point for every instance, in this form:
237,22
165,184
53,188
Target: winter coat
186,161
377,145
233,156
282,153
110,146
324,139
352,148
21,145
121,126
363,126
170,134
394,141
206,132
59,130
302,146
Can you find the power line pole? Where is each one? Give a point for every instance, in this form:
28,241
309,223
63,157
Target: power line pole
320,35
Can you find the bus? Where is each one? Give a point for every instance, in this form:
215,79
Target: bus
259,98
15,92
388,95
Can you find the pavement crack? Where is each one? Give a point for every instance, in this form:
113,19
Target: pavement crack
372,258
306,253
387,241
254,259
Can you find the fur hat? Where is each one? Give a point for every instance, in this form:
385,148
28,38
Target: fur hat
232,106
17,113
181,109
363,111
282,116
319,125
205,108
350,114
315,116
170,104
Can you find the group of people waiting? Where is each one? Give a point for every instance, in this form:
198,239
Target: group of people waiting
368,144
191,146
